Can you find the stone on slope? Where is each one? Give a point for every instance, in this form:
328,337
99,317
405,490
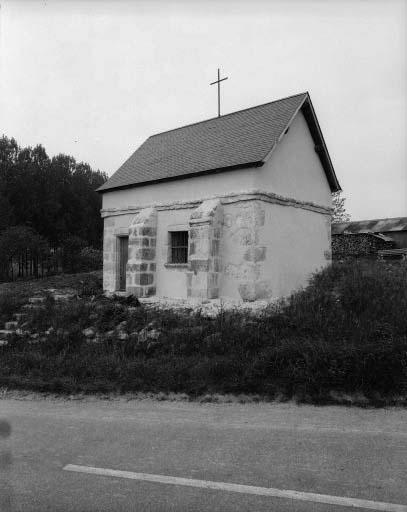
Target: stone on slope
10,325
36,300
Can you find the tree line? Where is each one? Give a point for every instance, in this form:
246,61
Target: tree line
46,204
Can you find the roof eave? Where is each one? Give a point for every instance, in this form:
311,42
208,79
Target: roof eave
323,154
259,163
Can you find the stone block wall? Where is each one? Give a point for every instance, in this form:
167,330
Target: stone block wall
141,265
204,265
245,253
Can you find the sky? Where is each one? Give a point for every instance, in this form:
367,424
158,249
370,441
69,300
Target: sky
94,79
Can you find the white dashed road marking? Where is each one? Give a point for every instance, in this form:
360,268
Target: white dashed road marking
245,489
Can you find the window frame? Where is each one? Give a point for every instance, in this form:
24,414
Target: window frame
180,245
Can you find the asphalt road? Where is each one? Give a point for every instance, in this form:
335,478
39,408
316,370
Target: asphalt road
335,451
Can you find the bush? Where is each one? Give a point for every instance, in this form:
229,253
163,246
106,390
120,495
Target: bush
91,259
71,254
76,256
90,286
345,333
9,303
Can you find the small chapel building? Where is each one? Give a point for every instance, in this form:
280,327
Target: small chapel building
235,207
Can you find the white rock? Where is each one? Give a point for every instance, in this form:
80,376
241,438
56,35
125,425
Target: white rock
148,334
36,300
10,325
89,332
208,307
4,333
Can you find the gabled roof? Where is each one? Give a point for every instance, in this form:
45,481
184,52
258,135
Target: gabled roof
240,139
370,226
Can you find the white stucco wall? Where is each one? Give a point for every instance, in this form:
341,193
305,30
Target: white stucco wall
188,189
298,250
294,169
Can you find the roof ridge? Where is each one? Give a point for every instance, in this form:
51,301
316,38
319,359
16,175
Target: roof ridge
230,114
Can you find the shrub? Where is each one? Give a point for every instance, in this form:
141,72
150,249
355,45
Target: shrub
71,253
91,259
91,285
76,256
9,303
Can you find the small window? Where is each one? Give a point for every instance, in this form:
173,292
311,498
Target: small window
178,247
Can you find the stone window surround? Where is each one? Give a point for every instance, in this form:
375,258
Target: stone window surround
176,266
171,228
178,247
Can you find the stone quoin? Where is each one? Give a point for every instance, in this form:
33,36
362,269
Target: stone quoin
235,207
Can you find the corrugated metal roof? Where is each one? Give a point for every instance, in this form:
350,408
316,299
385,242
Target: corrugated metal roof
234,140
370,226
390,252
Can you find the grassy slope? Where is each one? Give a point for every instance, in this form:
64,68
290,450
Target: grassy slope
14,294
345,334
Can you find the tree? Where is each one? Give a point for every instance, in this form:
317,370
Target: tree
55,196
22,250
339,214
6,210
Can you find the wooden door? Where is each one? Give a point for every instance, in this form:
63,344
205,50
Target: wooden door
123,257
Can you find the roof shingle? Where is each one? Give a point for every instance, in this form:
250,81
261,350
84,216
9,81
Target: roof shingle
239,139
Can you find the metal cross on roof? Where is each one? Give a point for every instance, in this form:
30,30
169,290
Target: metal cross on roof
218,81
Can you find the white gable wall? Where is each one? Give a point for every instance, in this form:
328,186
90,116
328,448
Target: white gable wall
294,169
